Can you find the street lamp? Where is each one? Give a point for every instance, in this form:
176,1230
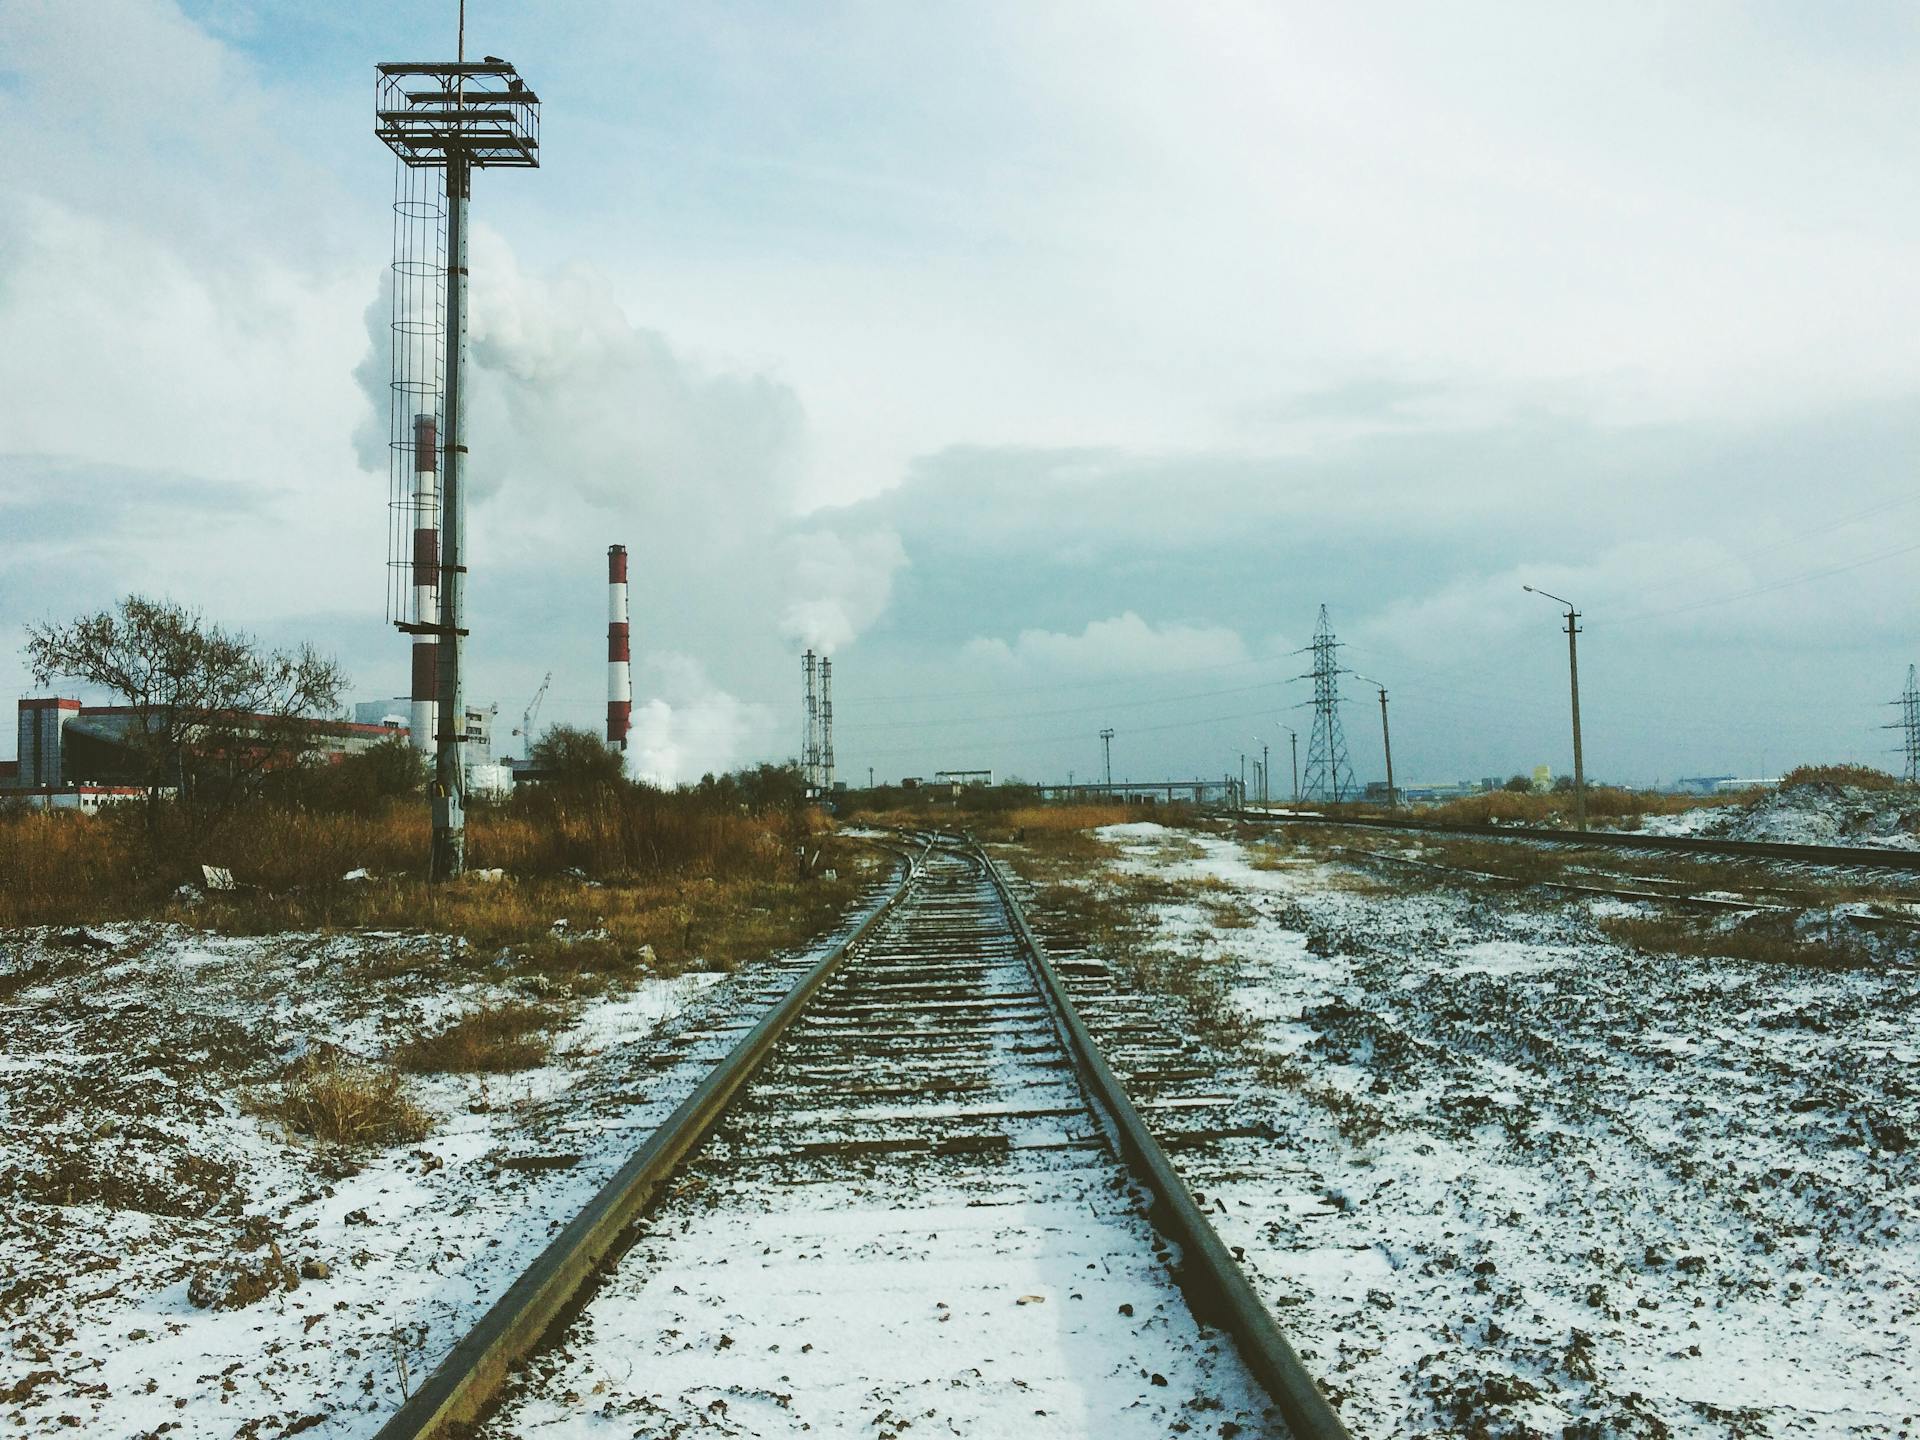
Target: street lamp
1386,737
1294,736
1573,675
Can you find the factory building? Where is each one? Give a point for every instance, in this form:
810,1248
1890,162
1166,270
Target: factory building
74,756
486,774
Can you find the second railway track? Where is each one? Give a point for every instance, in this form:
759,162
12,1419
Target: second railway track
924,1203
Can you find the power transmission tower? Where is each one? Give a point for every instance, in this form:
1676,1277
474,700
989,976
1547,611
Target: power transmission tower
1329,776
826,725
1909,721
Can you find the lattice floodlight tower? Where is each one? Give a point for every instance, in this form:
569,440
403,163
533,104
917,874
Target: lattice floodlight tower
1909,723
826,724
810,747
452,117
1329,776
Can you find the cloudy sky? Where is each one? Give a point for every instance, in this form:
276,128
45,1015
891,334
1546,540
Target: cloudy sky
1049,363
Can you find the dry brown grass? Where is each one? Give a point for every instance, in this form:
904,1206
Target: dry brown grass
340,1101
1760,940
61,868
1605,803
492,1040
1859,777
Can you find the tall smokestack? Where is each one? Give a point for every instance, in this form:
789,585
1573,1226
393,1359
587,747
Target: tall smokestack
619,658
426,580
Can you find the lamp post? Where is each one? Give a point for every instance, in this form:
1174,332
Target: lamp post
1386,736
1294,736
1573,676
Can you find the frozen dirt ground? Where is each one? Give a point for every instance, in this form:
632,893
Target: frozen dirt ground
1527,1182
130,1163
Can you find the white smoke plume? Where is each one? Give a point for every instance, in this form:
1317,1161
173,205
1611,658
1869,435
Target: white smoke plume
840,585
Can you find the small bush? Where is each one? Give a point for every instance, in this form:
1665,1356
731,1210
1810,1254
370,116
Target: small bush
345,1102
488,1041
1761,940
1857,777
1605,803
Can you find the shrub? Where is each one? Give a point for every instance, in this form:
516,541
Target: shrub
1857,777
344,1102
491,1040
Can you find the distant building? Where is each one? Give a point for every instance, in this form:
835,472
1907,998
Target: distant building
75,756
392,715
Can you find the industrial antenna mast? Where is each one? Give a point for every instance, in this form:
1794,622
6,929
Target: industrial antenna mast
826,724
1909,721
810,747
451,116
1329,776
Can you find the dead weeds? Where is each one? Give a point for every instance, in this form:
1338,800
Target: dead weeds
495,1039
340,1101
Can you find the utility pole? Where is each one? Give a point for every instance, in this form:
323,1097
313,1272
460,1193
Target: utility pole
1386,737
1386,741
1106,739
1266,797
1243,779
1573,676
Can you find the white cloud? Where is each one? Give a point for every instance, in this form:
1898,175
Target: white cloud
1123,645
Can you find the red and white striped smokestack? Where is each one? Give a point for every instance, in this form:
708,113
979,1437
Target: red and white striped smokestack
619,659
426,580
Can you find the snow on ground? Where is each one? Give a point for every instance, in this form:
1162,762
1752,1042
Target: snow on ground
1812,814
131,1163
1530,1183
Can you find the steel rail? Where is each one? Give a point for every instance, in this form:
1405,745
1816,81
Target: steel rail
460,1389
1869,857
1215,1286
1665,897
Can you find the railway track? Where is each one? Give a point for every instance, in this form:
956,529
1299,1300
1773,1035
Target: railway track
1878,862
914,1194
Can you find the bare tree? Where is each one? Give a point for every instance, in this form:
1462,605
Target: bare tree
209,711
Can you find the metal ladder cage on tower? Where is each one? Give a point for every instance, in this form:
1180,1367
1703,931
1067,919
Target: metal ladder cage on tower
449,117
424,110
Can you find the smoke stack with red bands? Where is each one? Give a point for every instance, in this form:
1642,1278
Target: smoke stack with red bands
426,581
619,660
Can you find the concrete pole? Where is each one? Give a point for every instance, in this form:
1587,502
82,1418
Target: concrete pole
449,859
1296,765
1386,740
1579,762
1266,796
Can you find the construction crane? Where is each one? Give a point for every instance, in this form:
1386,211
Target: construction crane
527,716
